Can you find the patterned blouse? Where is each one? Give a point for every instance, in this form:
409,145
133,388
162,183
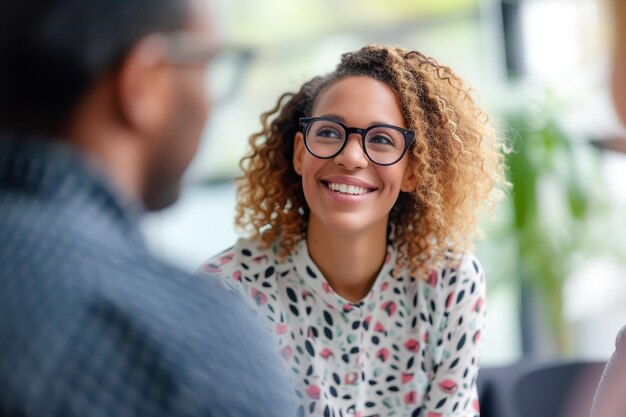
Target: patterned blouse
409,348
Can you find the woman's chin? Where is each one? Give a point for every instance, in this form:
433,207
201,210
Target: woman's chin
348,224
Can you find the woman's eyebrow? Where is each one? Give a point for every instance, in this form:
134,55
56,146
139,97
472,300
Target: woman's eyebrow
343,120
334,116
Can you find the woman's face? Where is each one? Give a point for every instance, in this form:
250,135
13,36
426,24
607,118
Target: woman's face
357,102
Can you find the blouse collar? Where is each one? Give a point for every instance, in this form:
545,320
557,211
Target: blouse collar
313,278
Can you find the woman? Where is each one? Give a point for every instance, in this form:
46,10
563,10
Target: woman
360,197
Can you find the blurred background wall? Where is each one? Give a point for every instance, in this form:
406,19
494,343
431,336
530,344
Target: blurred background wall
555,252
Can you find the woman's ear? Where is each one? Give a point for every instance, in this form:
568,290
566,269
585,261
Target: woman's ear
298,152
409,180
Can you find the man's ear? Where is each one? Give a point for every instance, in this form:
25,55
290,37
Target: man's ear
409,180
144,87
298,152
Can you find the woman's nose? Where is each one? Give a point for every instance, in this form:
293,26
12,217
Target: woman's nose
352,156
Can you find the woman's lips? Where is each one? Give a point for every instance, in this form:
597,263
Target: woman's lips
348,186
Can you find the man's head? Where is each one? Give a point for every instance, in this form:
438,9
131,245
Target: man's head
115,78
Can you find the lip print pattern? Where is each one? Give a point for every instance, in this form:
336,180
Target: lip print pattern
406,377
259,297
390,308
448,386
314,392
326,353
479,305
409,348
410,398
351,378
412,345
286,353
281,328
383,354
379,327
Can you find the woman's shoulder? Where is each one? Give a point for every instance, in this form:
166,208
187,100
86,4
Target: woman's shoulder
461,278
238,268
461,269
247,256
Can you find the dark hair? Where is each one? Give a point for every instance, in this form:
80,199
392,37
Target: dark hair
51,51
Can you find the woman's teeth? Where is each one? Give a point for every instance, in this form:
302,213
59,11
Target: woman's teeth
347,189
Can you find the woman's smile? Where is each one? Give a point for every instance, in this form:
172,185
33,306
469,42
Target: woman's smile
348,188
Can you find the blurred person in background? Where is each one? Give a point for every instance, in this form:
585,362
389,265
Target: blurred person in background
361,196
610,399
101,106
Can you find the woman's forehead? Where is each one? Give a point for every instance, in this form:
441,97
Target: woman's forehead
360,100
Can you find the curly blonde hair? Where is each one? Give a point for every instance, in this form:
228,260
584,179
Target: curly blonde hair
457,158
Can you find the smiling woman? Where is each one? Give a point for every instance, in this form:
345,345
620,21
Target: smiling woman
360,197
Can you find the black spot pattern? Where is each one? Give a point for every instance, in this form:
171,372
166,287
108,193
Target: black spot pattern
411,347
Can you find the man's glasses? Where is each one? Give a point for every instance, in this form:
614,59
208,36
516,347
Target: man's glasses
224,65
325,138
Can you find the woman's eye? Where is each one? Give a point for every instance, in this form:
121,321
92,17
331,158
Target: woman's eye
381,140
327,133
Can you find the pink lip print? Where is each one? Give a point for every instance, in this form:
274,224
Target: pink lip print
327,288
286,353
227,258
260,258
475,405
478,306
326,353
237,276
448,386
313,391
215,267
412,345
383,354
281,328
351,378
410,398
258,297
406,377
449,299
390,308
212,268
379,327
432,279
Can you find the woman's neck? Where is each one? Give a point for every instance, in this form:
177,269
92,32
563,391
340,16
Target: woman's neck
350,263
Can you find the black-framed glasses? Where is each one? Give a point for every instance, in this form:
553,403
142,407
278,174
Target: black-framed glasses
225,65
326,137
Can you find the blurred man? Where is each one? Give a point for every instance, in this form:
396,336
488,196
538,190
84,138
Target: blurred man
101,106
610,399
